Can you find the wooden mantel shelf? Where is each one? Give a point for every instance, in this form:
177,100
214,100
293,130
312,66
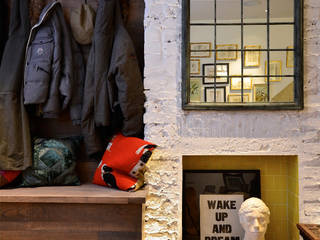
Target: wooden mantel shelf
86,193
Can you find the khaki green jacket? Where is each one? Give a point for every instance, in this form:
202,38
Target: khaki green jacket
15,142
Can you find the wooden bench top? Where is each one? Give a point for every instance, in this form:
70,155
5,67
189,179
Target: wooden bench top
86,193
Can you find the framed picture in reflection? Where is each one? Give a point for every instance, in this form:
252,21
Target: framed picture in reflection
195,66
290,57
236,98
260,93
236,83
252,58
220,94
200,49
195,89
220,69
275,69
229,54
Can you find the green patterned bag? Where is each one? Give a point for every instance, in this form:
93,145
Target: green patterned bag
54,163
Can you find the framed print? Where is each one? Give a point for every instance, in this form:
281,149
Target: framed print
211,217
194,66
204,49
252,58
236,98
222,73
195,89
220,94
227,55
290,57
275,69
236,83
260,93
199,183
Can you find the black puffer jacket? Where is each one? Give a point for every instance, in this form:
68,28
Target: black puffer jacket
52,61
113,82
15,142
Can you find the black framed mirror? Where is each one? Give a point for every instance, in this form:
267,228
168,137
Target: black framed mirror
260,42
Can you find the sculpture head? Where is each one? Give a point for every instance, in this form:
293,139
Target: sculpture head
254,217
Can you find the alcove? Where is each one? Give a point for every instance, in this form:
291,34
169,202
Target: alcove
279,186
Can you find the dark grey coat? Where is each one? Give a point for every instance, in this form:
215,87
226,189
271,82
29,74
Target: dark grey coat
51,61
15,147
113,80
3,26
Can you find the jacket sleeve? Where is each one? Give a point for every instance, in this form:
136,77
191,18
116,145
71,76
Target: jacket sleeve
129,85
77,93
67,80
61,84
88,129
52,107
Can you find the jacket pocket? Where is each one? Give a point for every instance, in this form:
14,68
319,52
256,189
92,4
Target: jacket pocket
42,48
38,67
37,83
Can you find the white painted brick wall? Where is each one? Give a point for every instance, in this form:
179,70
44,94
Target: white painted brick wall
179,132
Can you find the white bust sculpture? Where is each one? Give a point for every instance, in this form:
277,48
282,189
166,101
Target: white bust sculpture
254,217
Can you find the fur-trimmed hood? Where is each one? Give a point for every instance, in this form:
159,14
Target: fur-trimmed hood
35,9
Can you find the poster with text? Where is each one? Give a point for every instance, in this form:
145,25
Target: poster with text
219,218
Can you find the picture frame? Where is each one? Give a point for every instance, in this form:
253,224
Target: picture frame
208,182
260,93
290,57
204,49
252,58
222,73
236,98
227,55
236,83
220,94
195,66
195,89
275,69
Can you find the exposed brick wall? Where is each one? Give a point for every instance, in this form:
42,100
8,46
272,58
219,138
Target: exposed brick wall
179,132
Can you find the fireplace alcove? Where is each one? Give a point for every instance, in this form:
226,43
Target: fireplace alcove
279,186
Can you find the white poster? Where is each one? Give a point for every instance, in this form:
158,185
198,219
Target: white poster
219,218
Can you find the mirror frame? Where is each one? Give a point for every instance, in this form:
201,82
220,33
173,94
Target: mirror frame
298,69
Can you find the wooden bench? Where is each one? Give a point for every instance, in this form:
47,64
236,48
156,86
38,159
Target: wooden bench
85,212
76,212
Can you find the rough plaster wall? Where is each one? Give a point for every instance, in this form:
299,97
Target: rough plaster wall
179,132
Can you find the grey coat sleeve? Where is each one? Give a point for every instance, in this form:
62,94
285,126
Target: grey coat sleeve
52,107
77,93
91,138
62,69
67,81
128,81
